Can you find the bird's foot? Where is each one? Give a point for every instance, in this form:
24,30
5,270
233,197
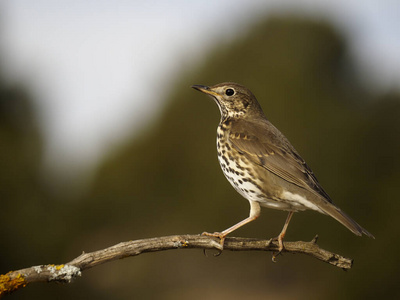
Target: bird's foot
221,238
279,238
217,235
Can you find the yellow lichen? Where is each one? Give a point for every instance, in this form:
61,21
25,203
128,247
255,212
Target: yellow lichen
10,283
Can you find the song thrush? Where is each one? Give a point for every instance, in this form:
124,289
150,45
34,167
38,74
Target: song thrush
262,165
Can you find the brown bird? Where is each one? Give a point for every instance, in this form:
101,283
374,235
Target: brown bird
262,165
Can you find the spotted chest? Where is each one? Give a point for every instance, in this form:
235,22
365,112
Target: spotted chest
236,168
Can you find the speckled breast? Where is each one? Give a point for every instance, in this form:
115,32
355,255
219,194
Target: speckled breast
242,175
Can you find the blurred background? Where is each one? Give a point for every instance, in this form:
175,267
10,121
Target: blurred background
102,141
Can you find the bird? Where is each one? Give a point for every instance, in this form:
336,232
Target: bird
262,165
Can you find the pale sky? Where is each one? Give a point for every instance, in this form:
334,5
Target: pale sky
92,64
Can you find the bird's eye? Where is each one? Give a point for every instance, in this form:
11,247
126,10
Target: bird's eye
229,92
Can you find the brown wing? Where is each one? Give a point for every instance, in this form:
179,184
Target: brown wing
265,145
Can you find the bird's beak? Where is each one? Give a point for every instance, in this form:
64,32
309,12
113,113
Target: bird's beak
205,89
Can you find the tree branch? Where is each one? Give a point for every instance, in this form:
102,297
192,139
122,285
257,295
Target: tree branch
66,272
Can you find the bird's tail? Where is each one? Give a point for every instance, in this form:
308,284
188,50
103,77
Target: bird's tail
335,212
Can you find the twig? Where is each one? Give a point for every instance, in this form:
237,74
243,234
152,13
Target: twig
66,272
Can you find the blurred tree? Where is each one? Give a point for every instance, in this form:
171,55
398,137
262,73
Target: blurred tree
20,158
34,226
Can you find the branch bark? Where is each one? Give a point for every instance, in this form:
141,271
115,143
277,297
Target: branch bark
65,273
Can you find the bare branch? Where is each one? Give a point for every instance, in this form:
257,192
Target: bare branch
66,272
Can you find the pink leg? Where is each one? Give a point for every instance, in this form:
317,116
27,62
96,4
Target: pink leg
282,234
255,211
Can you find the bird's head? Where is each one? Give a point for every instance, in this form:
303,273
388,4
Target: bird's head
233,100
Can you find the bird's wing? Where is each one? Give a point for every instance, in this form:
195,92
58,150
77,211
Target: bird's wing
273,151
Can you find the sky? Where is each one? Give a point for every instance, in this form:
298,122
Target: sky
93,65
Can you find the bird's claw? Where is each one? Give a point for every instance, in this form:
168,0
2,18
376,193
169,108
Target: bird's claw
280,249
219,246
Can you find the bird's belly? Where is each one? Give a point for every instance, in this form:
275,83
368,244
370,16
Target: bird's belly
263,189
239,177
246,182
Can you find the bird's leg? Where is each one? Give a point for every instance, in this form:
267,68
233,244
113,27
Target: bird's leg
282,235
255,211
